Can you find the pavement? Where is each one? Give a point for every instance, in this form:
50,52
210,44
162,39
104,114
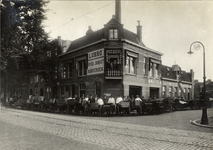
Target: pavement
197,122
99,134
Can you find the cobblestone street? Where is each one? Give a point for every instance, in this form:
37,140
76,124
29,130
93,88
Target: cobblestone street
87,133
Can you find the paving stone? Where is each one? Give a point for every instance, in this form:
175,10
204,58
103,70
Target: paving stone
108,134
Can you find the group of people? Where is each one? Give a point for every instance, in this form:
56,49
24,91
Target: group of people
105,100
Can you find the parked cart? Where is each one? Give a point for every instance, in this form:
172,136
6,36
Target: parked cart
94,108
123,107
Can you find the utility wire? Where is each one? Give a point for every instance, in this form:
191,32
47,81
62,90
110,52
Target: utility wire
80,17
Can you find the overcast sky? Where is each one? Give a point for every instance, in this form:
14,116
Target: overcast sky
169,27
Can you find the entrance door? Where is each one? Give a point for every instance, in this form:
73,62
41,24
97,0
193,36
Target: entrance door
135,90
154,92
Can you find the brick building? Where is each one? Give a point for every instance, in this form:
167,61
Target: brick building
177,83
112,60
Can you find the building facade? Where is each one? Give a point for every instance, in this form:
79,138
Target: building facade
177,83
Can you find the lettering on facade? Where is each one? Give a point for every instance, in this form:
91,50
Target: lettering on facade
95,62
96,54
152,81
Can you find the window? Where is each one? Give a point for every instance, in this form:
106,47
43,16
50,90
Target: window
163,91
56,72
144,66
64,71
98,89
170,91
130,65
82,88
81,66
36,91
69,71
151,71
61,91
156,72
67,89
113,33
48,92
48,53
36,79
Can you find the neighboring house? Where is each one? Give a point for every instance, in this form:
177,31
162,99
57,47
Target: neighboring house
177,83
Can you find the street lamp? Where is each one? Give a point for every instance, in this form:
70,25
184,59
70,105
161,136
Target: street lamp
197,45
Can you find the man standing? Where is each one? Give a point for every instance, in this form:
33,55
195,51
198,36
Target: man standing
119,99
138,98
111,100
91,99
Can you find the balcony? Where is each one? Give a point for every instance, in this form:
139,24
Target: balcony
113,74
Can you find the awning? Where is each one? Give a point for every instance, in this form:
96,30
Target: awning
155,61
132,54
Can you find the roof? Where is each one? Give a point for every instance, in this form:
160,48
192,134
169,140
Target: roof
128,35
99,35
168,72
87,39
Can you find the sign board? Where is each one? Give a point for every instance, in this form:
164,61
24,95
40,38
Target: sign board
95,54
95,62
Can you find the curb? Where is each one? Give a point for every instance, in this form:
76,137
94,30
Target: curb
201,125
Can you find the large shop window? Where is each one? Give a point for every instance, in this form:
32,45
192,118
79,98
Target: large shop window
81,66
113,63
131,62
113,33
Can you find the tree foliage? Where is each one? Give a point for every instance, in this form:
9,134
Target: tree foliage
23,39
22,30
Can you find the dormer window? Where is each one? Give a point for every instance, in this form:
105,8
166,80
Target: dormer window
113,33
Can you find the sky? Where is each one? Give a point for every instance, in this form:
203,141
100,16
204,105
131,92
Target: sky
169,27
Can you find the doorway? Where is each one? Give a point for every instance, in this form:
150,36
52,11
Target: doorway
135,90
154,92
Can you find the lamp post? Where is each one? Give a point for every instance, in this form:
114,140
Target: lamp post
197,45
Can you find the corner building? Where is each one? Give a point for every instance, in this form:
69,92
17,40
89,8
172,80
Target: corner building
112,60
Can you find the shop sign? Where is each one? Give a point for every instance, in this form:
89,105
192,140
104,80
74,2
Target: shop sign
95,54
153,81
95,66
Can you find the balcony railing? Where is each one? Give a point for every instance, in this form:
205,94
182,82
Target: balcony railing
113,74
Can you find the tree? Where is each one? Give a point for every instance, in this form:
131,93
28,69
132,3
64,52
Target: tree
22,33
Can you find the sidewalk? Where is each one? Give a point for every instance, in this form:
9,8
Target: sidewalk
197,122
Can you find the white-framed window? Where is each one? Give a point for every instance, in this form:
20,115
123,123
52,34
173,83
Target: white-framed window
151,71
156,71
131,62
113,33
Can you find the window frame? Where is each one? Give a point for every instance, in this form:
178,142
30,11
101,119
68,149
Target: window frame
113,33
